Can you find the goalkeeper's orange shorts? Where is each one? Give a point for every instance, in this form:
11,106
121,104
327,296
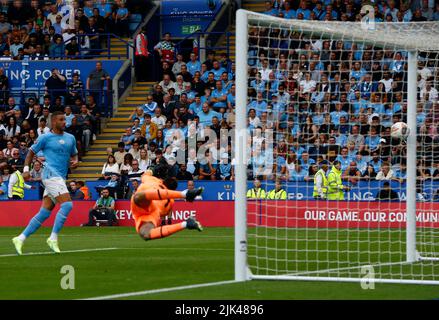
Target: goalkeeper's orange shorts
153,213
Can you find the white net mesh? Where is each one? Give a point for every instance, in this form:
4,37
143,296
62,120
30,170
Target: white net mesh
323,96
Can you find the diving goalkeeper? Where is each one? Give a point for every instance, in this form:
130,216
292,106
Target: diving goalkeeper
154,200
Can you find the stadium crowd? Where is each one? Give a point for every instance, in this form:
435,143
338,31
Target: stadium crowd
39,30
323,100
22,123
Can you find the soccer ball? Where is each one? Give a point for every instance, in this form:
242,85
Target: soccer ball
400,130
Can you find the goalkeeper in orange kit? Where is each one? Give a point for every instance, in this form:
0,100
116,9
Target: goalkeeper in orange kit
154,200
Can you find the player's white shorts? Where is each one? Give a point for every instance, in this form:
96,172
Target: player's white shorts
54,187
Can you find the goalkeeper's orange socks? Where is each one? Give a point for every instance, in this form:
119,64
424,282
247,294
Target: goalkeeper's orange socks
165,231
164,194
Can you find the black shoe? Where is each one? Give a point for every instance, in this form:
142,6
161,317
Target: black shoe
192,194
193,224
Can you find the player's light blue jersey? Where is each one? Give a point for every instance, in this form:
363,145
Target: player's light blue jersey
57,150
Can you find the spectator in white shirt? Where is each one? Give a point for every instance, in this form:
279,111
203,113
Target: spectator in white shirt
307,85
166,83
158,118
111,166
385,173
429,93
42,128
265,70
387,81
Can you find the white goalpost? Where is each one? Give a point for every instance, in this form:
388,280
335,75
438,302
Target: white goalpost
333,90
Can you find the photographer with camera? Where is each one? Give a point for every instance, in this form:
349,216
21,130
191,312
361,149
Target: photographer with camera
102,210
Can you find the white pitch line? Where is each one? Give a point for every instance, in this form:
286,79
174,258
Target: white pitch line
141,293
50,252
305,273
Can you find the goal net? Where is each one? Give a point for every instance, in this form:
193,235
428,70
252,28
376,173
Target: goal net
324,190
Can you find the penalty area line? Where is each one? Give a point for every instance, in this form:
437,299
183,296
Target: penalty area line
146,292
50,252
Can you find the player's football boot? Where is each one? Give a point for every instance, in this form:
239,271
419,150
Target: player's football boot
193,224
18,244
53,245
192,194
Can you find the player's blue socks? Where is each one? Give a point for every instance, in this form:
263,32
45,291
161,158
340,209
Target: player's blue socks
36,222
61,217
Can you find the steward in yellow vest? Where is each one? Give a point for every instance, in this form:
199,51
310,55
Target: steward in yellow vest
335,185
256,192
277,193
321,181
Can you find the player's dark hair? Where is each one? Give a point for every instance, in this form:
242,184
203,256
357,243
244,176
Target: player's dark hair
57,113
171,183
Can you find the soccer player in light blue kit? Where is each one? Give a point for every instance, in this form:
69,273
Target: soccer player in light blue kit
59,149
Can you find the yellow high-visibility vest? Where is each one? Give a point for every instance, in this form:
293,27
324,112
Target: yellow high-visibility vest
18,187
259,194
335,185
279,195
315,193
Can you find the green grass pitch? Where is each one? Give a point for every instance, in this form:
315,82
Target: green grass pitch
186,258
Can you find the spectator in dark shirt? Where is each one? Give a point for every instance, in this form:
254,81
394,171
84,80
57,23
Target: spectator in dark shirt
183,174
72,49
75,193
18,13
95,83
4,87
75,89
56,84
85,123
386,193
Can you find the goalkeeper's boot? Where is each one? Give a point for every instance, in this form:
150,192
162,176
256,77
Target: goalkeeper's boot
53,245
18,244
192,194
193,224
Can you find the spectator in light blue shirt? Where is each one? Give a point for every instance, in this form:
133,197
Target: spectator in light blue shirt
227,84
298,173
421,115
270,10
401,173
219,96
196,106
361,163
377,105
260,105
104,9
193,65
376,161
69,116
333,13
206,115
231,97
372,141
357,72
13,48
3,189
344,159
288,12
217,70
306,161
57,25
338,113
258,84
303,10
